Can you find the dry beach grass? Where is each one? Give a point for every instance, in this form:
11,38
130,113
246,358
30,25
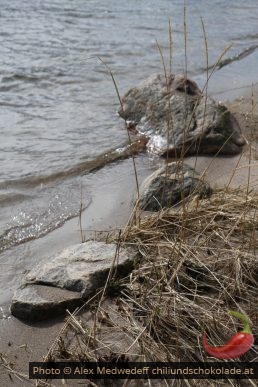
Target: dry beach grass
196,263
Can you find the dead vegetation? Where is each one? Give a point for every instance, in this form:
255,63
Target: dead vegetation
196,263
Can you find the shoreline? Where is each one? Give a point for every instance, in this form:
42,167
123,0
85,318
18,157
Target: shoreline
23,342
117,182
27,341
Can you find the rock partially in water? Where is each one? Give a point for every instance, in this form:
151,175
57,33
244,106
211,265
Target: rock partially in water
69,278
179,119
169,185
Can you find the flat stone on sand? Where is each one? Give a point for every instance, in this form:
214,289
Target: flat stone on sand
71,276
37,302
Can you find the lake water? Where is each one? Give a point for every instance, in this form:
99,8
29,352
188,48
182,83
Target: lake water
58,103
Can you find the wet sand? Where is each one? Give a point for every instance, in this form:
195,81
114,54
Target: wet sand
110,209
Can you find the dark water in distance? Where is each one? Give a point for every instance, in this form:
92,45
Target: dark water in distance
58,104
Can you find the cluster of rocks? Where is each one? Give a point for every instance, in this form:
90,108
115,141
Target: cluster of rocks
177,120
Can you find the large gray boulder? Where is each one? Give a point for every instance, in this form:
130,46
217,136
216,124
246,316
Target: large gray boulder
170,185
69,278
178,119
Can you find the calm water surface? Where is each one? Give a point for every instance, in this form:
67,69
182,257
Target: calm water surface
58,104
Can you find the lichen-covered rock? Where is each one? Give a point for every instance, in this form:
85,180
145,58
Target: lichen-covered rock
169,185
69,278
178,119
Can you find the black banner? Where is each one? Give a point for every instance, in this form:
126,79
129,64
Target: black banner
137,370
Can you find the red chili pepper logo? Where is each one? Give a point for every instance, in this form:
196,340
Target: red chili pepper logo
239,344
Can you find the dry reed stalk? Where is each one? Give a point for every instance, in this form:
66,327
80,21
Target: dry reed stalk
126,126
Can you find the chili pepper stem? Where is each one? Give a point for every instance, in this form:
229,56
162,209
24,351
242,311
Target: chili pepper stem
244,320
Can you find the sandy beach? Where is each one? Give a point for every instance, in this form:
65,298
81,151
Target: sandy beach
110,209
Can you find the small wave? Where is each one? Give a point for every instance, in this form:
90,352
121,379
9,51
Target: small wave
241,55
8,198
22,77
87,166
48,209
149,28
5,88
53,202
251,36
16,105
79,15
34,76
5,34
